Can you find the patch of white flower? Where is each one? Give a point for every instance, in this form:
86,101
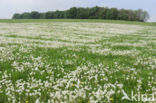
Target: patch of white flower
27,76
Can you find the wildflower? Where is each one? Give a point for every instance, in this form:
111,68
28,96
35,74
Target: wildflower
37,101
49,90
50,73
82,82
88,102
111,99
73,85
26,102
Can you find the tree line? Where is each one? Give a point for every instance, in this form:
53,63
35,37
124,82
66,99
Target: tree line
88,13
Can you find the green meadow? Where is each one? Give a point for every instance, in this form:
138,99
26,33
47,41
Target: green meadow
77,61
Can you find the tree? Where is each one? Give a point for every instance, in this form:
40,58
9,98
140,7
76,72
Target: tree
112,14
122,15
103,12
42,15
72,13
49,15
26,15
142,15
145,16
82,13
34,15
16,16
93,12
88,13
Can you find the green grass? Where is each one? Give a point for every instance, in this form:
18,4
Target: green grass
31,70
74,20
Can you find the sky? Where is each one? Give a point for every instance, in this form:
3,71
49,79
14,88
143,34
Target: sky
9,7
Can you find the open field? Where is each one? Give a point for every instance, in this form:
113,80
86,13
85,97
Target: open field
63,61
75,20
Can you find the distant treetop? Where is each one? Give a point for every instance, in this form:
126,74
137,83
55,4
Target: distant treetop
88,13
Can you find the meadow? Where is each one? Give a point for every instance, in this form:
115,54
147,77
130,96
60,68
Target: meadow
76,61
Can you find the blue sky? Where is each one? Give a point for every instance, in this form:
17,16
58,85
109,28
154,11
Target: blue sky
9,7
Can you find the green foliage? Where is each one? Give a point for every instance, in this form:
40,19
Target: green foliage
26,15
17,16
72,13
88,13
34,15
82,13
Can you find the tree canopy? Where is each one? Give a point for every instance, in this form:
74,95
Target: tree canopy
88,13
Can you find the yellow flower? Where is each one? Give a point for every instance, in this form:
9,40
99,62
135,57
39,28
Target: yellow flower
88,102
73,85
50,73
26,101
49,90
111,99
81,83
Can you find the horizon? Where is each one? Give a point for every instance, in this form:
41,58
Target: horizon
8,8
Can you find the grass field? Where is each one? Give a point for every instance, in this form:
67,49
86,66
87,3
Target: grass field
76,61
75,20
